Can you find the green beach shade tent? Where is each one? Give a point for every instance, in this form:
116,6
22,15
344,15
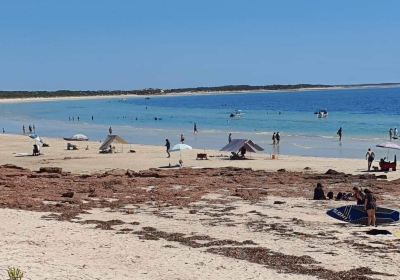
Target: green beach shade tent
111,139
236,144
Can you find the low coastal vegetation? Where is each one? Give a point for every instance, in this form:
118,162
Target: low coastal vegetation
14,273
157,91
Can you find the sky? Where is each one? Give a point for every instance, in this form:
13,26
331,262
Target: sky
130,44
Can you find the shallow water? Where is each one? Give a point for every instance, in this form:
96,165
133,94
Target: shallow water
364,114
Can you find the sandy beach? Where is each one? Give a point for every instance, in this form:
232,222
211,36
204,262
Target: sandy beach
121,216
145,157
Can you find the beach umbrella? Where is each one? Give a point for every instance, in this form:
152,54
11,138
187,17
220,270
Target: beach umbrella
179,148
33,135
389,145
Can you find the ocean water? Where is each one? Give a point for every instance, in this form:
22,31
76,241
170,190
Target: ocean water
364,114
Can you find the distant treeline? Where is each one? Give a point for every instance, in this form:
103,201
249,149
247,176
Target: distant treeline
154,91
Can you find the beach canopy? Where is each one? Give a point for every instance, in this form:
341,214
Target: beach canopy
236,144
180,147
33,135
77,137
389,145
111,139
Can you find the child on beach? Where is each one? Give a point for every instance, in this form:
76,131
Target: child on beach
370,207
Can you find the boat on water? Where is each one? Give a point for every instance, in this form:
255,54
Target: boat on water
237,114
322,113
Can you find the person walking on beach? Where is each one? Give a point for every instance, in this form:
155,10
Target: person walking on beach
395,133
339,133
370,156
182,138
195,128
230,138
274,138
390,134
278,138
77,118
30,129
168,147
23,129
110,130
370,207
92,118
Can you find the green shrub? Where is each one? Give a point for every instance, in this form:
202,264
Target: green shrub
14,273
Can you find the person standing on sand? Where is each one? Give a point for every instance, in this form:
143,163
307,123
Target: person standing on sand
339,133
33,128
359,195
274,138
110,130
30,129
182,138
390,134
370,207
230,138
278,138
168,147
92,118
23,129
195,128
370,156
4,130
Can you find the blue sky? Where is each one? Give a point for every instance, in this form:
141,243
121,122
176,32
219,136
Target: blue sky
128,44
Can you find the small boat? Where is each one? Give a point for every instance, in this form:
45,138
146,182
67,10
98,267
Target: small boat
236,114
322,113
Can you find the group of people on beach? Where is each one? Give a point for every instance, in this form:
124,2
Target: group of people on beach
276,138
31,129
363,197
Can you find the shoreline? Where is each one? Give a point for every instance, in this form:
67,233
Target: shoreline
191,93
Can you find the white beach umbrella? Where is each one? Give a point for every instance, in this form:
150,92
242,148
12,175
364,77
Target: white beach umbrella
389,145
179,148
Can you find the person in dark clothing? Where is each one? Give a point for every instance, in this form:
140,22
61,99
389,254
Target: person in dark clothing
230,138
242,151
168,147
370,156
370,207
278,138
195,128
182,139
319,192
274,138
339,133
359,196
110,130
36,151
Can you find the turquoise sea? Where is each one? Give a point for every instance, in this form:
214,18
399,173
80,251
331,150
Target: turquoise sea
364,114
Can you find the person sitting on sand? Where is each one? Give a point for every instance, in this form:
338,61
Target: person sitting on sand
359,195
370,207
36,151
319,192
242,151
